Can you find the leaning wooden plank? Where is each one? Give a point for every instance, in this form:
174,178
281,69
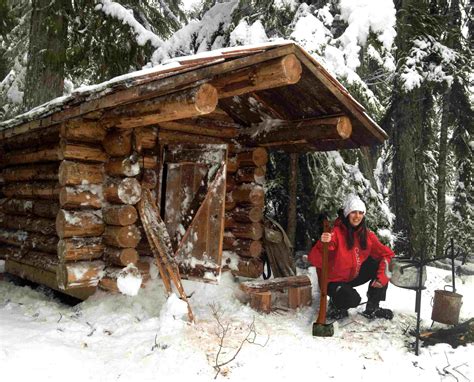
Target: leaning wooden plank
79,274
41,208
160,243
79,223
275,284
187,103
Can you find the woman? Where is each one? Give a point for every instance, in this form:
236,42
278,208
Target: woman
356,256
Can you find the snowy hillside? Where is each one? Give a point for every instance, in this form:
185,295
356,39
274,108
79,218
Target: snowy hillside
146,338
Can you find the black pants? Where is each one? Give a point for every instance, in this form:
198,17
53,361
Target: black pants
343,294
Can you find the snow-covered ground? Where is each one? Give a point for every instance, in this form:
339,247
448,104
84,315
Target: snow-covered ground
147,338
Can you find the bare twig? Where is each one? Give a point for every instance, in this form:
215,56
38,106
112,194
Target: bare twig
222,332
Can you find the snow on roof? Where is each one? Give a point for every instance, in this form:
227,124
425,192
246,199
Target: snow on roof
168,68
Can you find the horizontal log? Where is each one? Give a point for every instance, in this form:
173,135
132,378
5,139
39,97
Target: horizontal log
31,155
253,157
302,132
80,248
250,175
169,137
243,247
80,197
275,284
128,166
123,191
33,138
248,194
122,237
252,268
37,190
109,284
201,126
79,274
31,173
121,256
248,214
120,215
182,104
232,165
269,74
118,143
83,130
79,173
82,152
41,208
30,240
253,231
145,138
27,223
37,259
79,223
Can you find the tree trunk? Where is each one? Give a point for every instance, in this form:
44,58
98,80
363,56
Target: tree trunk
46,52
292,193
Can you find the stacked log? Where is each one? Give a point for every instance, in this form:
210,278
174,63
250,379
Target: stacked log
245,200
30,190
79,221
121,192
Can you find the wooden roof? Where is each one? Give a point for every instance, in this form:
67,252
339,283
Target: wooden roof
303,107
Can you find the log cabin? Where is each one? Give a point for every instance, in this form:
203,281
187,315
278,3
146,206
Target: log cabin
196,132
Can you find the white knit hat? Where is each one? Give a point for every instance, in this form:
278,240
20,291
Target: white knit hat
353,203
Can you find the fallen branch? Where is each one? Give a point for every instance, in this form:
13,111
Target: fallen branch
222,332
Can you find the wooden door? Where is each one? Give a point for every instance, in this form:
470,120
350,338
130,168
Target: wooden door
194,204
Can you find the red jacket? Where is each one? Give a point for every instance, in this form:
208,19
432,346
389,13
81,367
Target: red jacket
344,263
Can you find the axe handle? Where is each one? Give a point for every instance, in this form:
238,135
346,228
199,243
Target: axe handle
324,279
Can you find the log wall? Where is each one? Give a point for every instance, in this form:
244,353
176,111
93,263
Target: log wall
245,200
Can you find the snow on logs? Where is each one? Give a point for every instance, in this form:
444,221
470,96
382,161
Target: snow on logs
278,72
186,103
245,199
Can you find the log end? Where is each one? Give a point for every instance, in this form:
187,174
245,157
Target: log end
344,127
292,68
206,99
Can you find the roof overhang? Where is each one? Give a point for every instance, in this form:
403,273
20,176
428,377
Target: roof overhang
274,95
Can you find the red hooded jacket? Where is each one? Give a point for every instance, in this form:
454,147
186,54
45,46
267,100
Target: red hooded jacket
345,263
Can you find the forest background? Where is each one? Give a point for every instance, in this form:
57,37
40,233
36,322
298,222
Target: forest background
407,61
